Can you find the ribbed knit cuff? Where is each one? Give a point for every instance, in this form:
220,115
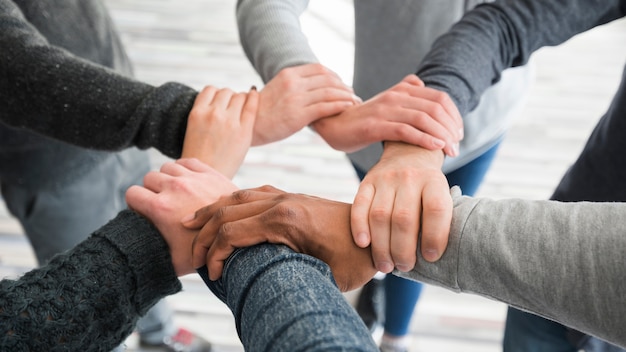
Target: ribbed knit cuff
148,257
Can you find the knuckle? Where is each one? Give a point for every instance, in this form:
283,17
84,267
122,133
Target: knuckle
161,204
437,112
241,196
220,214
267,188
319,68
389,97
438,206
285,211
224,233
379,214
178,183
403,218
440,97
421,118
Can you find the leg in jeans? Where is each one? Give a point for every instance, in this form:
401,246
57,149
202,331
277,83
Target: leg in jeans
283,301
57,218
546,334
401,295
597,175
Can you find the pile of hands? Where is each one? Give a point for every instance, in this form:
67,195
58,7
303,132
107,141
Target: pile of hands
403,201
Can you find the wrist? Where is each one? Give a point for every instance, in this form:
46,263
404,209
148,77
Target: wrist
399,149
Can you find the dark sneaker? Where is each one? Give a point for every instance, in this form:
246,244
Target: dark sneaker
183,341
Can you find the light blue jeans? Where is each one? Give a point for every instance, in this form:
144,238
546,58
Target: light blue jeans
283,301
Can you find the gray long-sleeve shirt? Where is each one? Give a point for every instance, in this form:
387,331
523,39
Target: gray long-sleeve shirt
563,261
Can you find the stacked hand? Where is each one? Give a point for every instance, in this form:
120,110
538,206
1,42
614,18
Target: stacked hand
404,194
309,225
296,97
219,128
407,112
167,196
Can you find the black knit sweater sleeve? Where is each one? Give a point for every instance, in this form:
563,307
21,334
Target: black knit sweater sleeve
89,298
497,35
51,91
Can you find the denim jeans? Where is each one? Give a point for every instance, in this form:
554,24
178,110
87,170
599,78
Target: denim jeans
283,301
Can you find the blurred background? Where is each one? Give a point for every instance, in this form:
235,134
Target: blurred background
196,42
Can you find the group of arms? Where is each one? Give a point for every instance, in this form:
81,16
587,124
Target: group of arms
403,195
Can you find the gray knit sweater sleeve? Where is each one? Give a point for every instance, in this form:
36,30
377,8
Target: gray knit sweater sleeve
51,91
502,34
89,298
271,36
563,261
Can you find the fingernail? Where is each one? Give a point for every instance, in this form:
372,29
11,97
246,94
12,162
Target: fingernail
461,133
385,267
362,239
455,148
189,217
431,255
357,98
403,268
439,143
253,88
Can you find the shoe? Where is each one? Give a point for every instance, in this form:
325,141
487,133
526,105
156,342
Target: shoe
183,341
371,304
391,348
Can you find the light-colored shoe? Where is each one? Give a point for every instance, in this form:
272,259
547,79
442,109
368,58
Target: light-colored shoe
387,347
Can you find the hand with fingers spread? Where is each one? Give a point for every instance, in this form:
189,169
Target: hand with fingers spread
296,97
310,225
167,196
403,195
407,112
219,128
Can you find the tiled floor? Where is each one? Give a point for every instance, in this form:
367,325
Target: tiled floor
196,43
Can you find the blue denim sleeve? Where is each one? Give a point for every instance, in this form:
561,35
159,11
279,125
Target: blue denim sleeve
286,301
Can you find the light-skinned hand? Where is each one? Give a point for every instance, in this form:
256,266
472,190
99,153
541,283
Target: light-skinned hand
403,194
297,96
309,225
219,128
172,193
407,112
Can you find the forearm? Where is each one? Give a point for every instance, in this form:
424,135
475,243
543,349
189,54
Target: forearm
495,36
92,294
413,153
559,260
51,91
279,297
271,36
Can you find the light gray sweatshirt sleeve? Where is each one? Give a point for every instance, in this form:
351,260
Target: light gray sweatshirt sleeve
271,36
563,261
